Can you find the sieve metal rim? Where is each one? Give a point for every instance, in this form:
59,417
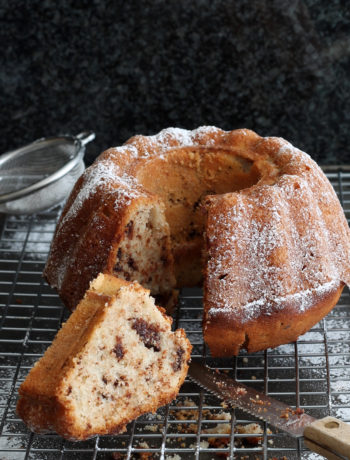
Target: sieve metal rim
80,140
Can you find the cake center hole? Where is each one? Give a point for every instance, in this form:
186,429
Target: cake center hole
187,177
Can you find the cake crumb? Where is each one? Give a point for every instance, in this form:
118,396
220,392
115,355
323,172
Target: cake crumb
152,428
144,455
251,428
143,445
203,445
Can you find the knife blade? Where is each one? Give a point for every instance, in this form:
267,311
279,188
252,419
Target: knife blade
330,434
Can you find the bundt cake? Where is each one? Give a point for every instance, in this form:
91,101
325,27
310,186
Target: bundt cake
255,215
113,360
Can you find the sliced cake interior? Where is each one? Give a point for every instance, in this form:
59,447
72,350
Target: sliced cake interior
144,252
115,359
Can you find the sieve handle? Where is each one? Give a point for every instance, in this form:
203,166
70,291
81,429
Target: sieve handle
85,137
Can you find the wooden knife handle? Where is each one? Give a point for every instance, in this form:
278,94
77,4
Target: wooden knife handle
330,433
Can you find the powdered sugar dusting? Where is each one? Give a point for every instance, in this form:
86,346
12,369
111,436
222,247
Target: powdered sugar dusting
166,137
106,172
302,301
276,244
179,138
127,191
101,174
285,148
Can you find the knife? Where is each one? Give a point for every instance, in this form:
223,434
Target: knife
329,436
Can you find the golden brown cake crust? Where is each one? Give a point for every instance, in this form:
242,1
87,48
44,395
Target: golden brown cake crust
227,334
278,253
274,232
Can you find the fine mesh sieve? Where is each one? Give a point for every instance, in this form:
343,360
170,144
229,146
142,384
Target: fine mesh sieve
39,175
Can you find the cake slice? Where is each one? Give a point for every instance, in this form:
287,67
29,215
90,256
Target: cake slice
113,360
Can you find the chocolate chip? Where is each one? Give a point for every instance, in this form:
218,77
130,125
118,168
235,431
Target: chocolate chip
118,267
165,260
196,204
129,229
118,349
132,263
149,333
104,380
177,364
222,277
69,390
192,234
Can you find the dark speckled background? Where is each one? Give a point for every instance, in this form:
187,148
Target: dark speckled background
126,67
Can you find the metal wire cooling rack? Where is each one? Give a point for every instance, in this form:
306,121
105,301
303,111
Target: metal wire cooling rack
313,373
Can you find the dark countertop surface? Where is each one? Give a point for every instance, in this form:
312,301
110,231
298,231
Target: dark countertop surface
280,67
